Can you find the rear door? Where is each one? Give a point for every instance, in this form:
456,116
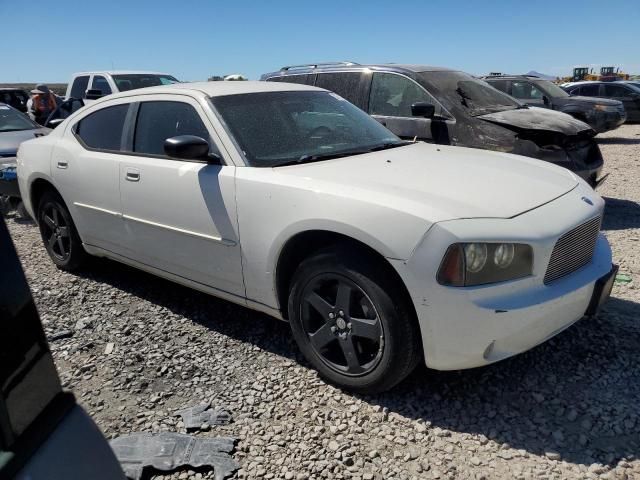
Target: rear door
85,168
629,98
180,215
390,100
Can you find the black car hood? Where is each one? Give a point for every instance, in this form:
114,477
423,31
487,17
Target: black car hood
534,118
586,101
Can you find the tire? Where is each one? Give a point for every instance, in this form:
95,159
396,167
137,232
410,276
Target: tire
352,322
59,234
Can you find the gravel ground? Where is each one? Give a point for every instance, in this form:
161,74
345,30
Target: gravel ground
567,409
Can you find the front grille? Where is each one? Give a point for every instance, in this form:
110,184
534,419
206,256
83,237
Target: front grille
573,250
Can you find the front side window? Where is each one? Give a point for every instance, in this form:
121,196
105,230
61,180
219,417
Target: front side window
12,120
158,121
134,81
525,90
101,83
277,128
79,87
102,130
392,96
616,91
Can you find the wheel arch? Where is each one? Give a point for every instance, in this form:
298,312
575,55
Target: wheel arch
305,243
37,188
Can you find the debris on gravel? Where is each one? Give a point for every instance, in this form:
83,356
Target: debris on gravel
197,416
142,348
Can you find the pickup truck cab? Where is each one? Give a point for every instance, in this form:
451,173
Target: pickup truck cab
90,86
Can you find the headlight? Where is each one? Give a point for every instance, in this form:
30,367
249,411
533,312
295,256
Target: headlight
607,108
468,264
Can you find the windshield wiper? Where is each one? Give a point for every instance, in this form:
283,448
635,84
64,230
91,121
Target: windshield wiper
328,156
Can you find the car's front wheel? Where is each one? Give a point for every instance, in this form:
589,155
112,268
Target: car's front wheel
59,233
352,322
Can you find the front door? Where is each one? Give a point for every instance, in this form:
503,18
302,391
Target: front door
180,215
390,101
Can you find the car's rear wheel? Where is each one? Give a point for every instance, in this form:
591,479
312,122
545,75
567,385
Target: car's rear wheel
352,322
59,233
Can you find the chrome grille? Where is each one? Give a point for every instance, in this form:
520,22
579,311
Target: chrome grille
573,250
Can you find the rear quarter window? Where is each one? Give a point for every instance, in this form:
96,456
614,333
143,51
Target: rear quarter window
102,130
345,84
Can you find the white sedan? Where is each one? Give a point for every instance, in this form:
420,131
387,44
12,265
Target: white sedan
287,199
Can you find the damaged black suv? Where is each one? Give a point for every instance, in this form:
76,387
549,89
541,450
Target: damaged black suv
450,107
600,113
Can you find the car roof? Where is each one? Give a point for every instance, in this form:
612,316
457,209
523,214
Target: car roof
217,89
350,66
120,72
507,77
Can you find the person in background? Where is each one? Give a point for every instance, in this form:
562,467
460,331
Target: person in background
41,104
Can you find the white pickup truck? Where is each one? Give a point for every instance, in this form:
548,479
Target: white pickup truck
90,86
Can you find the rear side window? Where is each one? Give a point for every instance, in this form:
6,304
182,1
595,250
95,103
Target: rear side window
589,90
345,84
499,84
101,83
102,130
392,96
79,87
158,121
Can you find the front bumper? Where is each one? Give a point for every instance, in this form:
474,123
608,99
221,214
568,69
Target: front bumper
474,326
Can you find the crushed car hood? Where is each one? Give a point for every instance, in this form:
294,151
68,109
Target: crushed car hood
437,182
534,118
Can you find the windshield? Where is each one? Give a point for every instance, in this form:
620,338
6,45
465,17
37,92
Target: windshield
141,80
276,128
12,120
551,89
477,97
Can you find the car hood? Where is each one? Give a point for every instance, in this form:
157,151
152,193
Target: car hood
437,183
10,141
534,118
587,101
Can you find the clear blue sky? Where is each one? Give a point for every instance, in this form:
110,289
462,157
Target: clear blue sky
196,39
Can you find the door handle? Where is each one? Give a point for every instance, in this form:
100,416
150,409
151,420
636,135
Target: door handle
132,175
62,164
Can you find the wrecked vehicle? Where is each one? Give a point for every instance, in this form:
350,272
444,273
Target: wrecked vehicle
287,199
15,128
600,113
449,107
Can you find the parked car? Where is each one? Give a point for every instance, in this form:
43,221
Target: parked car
381,253
44,434
89,86
15,128
16,97
601,114
449,107
625,92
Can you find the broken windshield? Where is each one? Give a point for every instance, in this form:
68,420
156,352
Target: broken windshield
461,89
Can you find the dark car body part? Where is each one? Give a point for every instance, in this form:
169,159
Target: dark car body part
62,111
544,94
168,450
44,434
16,97
538,134
626,92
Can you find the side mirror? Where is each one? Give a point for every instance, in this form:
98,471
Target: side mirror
54,123
190,147
545,100
93,94
423,109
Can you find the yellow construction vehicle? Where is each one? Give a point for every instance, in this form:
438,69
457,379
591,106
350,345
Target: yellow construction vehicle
579,74
611,74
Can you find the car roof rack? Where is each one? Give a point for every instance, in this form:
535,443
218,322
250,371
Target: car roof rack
315,65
